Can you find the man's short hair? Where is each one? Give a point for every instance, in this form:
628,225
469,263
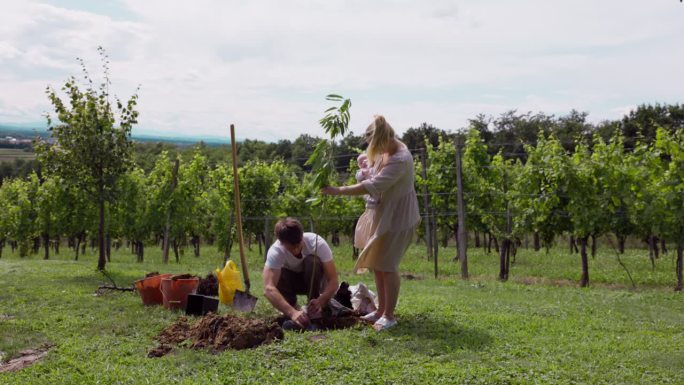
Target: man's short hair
289,230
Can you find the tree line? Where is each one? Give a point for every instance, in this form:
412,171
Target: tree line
523,174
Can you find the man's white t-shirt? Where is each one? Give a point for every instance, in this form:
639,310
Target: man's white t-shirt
279,257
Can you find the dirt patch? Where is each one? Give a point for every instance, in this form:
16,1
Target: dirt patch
182,276
152,274
208,285
217,333
26,358
316,337
411,277
329,323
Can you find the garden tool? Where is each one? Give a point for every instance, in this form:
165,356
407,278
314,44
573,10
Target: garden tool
242,301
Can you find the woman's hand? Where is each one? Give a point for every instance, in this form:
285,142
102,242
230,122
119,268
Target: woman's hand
330,190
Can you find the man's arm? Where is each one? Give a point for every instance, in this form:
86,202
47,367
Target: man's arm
271,292
330,273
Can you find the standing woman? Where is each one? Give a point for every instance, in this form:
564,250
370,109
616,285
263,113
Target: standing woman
393,220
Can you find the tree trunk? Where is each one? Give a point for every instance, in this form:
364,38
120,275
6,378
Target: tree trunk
195,245
584,281
141,250
651,250
78,247
496,243
593,246
489,243
166,240
2,246
36,245
477,239
84,244
503,261
571,243
102,260
656,251
175,250
46,245
109,248
679,265
537,244
621,243
663,248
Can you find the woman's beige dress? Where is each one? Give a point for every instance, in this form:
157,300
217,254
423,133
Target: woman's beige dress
388,228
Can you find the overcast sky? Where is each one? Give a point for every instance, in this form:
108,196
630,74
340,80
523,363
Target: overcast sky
267,65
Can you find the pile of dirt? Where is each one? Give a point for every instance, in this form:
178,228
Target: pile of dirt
329,323
208,285
183,276
217,333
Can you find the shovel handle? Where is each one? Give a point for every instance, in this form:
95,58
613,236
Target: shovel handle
236,189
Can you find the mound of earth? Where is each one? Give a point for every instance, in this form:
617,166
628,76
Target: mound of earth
218,333
182,276
208,285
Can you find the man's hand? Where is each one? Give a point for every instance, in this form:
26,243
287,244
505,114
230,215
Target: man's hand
300,318
315,307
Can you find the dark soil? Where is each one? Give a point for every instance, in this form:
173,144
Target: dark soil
182,276
218,333
152,274
208,285
343,295
329,323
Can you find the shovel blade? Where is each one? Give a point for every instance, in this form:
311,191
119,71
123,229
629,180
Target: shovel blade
243,301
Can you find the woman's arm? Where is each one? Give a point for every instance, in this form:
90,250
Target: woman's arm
355,189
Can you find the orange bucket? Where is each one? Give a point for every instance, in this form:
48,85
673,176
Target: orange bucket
150,289
175,291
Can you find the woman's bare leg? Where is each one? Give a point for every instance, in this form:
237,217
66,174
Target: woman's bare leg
392,283
380,286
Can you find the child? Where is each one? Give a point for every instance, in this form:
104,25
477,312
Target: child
363,225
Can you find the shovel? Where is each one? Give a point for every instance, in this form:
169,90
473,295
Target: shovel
242,301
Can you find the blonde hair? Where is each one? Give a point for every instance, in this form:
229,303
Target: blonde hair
381,136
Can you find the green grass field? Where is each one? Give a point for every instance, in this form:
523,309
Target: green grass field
538,328
10,154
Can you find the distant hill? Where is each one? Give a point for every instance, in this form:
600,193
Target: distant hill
31,130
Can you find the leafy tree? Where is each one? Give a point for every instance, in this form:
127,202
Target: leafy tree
584,209
92,147
425,135
615,186
18,197
477,177
672,145
131,209
541,190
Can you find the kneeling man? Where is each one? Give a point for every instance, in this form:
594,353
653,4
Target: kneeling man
299,263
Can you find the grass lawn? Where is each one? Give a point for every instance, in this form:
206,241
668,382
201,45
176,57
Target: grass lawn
538,328
10,154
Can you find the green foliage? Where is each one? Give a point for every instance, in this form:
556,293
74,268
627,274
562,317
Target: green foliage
541,190
335,123
92,146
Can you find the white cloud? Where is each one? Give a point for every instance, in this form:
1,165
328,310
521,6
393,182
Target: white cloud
266,65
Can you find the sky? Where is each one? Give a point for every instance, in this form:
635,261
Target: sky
266,65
